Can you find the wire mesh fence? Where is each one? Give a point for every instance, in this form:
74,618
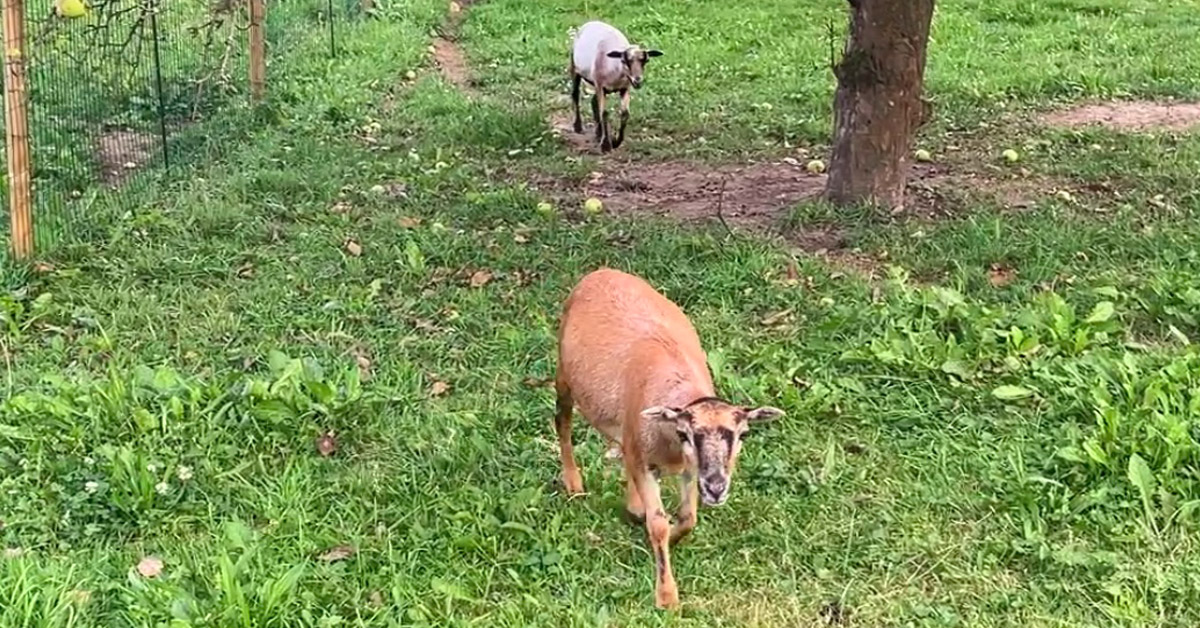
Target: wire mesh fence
117,91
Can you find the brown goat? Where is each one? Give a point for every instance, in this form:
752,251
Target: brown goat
632,363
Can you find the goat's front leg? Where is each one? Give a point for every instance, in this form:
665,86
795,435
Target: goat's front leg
635,510
597,107
576,81
689,498
658,528
606,129
624,118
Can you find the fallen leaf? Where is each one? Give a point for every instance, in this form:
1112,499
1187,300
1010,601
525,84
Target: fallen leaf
327,444
150,567
793,271
519,238
246,271
364,366
80,596
537,382
396,190
438,389
480,278
408,222
425,325
334,554
455,7
776,318
43,267
1009,393
340,207
1000,276
13,552
375,599
353,248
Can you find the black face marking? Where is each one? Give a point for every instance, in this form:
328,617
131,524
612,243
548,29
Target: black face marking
698,440
727,435
683,436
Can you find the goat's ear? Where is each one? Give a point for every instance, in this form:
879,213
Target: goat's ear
763,414
653,53
661,413
615,54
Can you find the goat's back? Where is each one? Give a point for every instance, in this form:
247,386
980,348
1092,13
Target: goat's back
620,342
593,41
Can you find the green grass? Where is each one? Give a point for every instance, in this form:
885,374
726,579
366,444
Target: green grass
956,454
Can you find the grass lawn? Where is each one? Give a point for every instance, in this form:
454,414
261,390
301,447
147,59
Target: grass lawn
997,429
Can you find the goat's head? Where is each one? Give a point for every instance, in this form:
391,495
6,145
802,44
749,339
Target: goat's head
634,60
711,431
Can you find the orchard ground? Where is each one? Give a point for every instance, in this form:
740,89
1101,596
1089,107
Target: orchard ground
309,375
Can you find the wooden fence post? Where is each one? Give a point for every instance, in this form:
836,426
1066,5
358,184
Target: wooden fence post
258,51
20,189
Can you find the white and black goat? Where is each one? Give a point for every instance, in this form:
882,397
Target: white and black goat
604,58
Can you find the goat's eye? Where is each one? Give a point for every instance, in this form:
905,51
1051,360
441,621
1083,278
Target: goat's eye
683,437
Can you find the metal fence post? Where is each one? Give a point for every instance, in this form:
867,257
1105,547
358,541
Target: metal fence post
158,87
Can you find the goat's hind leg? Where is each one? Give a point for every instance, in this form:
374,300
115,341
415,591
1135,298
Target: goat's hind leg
572,479
576,81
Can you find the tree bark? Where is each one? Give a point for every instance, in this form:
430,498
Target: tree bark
878,106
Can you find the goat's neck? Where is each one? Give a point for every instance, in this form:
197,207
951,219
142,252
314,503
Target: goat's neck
683,392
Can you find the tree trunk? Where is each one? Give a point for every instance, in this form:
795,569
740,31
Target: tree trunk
878,106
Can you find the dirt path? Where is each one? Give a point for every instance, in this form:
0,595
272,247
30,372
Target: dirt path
448,55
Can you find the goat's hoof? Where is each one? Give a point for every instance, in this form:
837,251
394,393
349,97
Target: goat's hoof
667,599
573,482
679,534
634,518
578,127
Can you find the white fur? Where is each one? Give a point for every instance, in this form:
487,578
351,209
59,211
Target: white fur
593,42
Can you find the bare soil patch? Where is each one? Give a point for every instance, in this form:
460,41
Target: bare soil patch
452,63
122,153
1130,116
751,195
755,198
